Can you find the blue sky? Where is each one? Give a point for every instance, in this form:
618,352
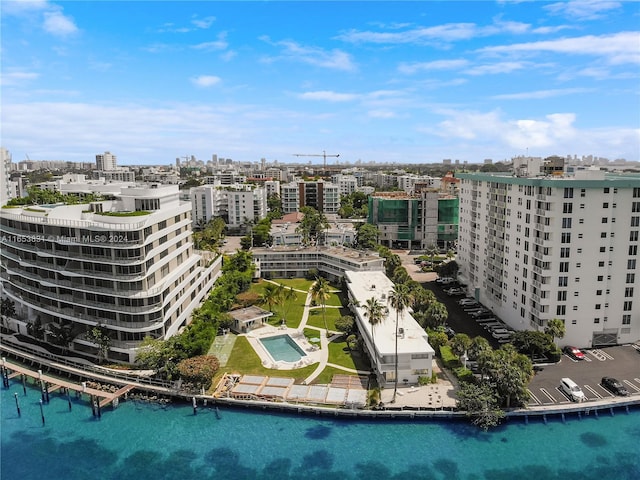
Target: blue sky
373,81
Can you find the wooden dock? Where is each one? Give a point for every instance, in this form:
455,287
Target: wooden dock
57,383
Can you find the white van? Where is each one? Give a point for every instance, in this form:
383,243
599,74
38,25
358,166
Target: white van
573,391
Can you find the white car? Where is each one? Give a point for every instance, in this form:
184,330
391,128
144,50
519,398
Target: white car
467,302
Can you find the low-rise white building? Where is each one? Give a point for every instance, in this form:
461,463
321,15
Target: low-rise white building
415,354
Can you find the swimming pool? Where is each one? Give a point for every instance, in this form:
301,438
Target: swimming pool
283,348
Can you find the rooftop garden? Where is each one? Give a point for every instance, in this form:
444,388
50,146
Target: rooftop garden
137,213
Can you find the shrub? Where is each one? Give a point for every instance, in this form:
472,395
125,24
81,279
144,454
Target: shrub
424,380
464,374
199,370
449,358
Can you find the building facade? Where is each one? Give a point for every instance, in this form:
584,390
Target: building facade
323,196
537,248
127,265
414,221
237,204
414,353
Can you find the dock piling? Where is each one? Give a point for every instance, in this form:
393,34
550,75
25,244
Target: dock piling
17,404
41,412
195,405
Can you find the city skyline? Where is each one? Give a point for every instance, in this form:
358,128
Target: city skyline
404,82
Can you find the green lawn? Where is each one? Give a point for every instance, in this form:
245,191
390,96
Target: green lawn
332,314
294,308
297,283
339,354
327,374
245,360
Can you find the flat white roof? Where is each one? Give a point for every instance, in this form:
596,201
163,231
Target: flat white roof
365,285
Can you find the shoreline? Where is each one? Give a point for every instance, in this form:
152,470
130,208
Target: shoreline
593,407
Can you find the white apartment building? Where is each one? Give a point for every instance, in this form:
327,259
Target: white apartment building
556,246
5,176
346,183
237,204
323,196
106,161
127,264
415,354
407,183
332,262
272,187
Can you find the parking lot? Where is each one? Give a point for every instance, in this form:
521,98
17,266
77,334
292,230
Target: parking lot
621,362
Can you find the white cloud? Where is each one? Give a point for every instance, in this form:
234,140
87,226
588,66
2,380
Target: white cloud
58,24
441,33
496,68
617,48
583,9
206,80
17,78
410,68
333,59
328,96
381,114
540,94
203,23
219,44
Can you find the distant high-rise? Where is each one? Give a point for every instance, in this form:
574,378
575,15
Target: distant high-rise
106,161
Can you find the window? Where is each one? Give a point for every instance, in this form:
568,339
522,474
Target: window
598,292
565,237
627,305
628,292
563,281
605,205
606,189
564,252
603,249
603,234
566,222
600,278
631,278
568,192
633,249
633,236
635,221
564,267
631,264
626,319
598,306
635,206
562,295
596,320
567,207
601,264
561,310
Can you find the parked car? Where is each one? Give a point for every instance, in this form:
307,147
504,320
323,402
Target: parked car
455,292
450,332
482,313
572,390
573,352
467,302
614,386
445,280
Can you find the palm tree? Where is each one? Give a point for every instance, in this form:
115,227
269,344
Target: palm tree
7,310
432,251
320,292
270,296
286,295
374,312
400,298
555,327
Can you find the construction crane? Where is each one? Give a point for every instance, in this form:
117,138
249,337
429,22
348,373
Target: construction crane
323,155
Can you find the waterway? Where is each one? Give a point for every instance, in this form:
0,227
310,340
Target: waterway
148,441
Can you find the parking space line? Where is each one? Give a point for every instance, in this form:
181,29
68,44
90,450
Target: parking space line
600,355
532,395
564,395
588,387
632,385
549,396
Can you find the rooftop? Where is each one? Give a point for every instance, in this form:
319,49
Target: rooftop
366,285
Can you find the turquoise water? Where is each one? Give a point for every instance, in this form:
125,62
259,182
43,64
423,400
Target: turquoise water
141,441
283,347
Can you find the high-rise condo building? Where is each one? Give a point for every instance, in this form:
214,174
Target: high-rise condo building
534,248
127,265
